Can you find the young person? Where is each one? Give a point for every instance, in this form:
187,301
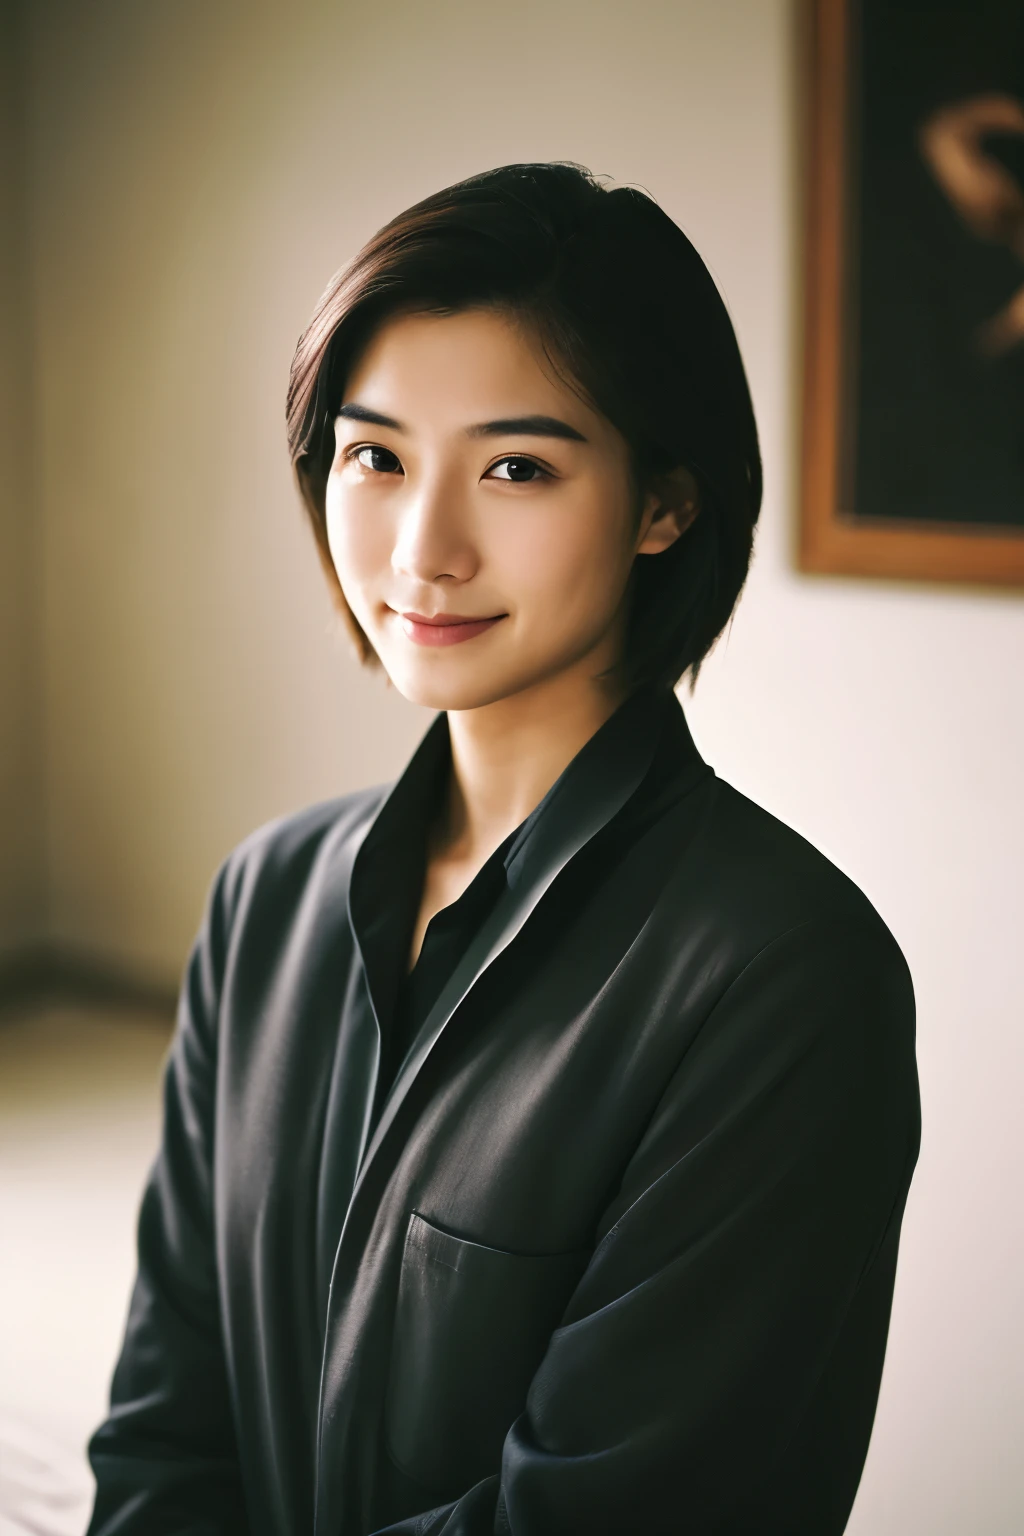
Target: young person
537,1130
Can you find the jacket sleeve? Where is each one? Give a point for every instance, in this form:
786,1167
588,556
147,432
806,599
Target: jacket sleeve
165,1458
718,1367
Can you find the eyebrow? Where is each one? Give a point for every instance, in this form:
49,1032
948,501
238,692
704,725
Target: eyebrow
375,418
508,426
527,426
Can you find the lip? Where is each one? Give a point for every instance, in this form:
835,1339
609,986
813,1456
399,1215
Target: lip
445,628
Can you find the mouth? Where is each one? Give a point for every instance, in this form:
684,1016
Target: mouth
445,628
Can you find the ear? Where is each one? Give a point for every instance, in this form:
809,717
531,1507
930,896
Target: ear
670,506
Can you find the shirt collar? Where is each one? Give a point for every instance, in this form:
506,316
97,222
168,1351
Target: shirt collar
405,813
603,776
593,772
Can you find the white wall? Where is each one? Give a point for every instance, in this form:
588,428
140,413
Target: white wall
20,800
198,170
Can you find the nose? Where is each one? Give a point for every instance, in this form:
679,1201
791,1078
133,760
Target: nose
432,537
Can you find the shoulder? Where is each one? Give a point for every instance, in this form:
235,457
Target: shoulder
789,965
266,894
277,860
757,911
759,877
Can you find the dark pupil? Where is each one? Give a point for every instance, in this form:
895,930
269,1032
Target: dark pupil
382,459
520,469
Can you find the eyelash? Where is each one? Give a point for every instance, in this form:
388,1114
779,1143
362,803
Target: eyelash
522,458
352,456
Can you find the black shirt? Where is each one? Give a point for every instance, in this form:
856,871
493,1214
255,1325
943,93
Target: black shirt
444,943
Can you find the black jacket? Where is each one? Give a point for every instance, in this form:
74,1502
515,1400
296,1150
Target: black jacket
616,1252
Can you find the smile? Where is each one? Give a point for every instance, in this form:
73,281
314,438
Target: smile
445,628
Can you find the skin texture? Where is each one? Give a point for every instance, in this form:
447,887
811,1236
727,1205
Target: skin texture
534,531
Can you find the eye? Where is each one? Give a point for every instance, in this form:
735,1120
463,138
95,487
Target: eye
381,460
519,470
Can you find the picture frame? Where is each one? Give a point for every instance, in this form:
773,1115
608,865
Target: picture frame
913,400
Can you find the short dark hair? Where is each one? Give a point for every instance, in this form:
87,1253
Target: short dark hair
628,313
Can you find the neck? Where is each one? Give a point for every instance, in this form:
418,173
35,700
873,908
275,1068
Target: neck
507,755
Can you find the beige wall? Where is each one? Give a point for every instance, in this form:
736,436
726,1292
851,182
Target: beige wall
197,171
21,875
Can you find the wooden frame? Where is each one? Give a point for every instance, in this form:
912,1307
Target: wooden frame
833,538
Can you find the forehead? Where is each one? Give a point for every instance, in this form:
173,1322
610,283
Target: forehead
454,370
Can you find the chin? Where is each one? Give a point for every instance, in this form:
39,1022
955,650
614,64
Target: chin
448,693
454,684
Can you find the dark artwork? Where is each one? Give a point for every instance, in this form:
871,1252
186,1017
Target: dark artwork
935,311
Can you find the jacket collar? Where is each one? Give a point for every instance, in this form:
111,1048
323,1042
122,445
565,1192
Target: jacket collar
595,786
388,869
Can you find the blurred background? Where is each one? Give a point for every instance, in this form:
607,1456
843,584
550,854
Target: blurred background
178,180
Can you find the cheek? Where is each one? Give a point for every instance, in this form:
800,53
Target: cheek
569,563
359,543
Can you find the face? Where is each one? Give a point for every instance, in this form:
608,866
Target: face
481,517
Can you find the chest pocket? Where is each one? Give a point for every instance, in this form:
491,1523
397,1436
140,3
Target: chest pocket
471,1328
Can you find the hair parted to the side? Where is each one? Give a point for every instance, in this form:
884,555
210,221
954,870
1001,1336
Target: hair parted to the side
629,315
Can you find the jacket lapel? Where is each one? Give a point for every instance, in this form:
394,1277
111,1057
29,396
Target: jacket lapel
579,805
387,874
365,882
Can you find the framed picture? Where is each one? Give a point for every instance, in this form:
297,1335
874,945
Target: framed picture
913,452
